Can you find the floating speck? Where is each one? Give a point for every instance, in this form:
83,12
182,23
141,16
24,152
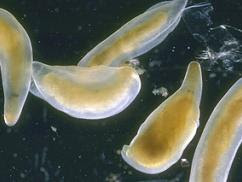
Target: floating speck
54,129
57,10
22,175
160,91
79,28
185,163
212,75
113,178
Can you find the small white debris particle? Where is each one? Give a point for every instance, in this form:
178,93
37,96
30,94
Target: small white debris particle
160,91
79,28
54,129
118,152
113,178
57,10
185,163
22,175
134,63
212,75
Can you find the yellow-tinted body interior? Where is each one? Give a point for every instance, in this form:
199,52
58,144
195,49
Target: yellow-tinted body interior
130,40
12,49
220,137
75,94
168,129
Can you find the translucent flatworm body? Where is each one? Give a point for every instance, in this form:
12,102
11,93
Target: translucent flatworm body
15,59
90,93
220,139
166,132
137,36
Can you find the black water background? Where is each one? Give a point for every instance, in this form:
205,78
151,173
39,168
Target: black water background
61,33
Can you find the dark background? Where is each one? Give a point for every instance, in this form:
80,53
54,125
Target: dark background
48,145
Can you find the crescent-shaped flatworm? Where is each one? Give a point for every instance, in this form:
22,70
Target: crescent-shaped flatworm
90,93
